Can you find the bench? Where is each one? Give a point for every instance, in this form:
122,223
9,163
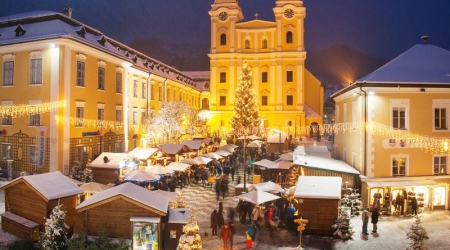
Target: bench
19,226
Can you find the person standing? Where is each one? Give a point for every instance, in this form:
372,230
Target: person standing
414,206
225,235
402,204
233,232
365,219
255,215
290,212
270,222
220,212
214,222
374,220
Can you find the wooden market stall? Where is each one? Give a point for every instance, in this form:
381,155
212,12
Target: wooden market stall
126,211
319,199
176,152
145,155
30,199
107,170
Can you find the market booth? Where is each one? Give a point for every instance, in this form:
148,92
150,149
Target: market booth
30,199
107,166
126,211
145,155
178,217
318,201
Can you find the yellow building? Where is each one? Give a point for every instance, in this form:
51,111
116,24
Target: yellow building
393,127
288,95
106,87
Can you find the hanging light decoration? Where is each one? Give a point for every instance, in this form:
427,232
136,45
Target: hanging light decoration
31,109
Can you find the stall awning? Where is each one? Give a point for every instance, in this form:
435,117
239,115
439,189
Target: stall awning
373,184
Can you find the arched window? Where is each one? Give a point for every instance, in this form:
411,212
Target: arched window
205,103
289,37
264,44
247,44
223,39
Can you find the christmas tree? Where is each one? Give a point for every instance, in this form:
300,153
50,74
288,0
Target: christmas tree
246,117
352,200
80,173
55,236
417,234
342,226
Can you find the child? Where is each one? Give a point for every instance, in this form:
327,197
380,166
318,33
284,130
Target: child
249,235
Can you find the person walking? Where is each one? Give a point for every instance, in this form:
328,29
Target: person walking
374,220
414,206
225,235
249,236
214,223
233,232
365,219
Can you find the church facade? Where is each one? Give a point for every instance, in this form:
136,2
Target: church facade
289,97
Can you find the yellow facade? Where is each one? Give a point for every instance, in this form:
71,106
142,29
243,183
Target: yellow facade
395,134
288,95
111,110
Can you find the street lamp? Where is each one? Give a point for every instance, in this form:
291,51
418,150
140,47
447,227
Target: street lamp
245,161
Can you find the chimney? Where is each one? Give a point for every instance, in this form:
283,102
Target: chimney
67,11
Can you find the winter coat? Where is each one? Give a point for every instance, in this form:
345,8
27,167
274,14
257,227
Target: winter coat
225,233
365,216
214,222
374,217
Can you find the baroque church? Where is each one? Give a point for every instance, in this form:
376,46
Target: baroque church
289,97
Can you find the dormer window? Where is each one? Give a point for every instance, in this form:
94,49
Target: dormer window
82,32
20,31
102,41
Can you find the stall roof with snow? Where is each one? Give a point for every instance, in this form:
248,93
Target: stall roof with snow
143,153
319,187
114,160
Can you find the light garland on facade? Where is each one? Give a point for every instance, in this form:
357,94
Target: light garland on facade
89,123
31,109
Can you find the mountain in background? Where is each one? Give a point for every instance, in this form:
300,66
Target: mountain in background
332,66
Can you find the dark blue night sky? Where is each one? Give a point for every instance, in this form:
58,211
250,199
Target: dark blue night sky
380,28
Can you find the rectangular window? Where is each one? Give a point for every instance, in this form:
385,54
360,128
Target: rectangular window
8,73
144,90
223,100
399,118
36,71
6,119
135,117
80,117
264,77
160,96
152,93
101,114
118,115
223,77
135,88
32,155
35,119
289,100
118,147
440,165
79,153
399,166
440,119
80,73
264,100
6,151
101,78
289,76
118,82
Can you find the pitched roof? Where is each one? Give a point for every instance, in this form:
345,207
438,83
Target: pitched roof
320,187
50,186
132,192
114,160
143,153
423,63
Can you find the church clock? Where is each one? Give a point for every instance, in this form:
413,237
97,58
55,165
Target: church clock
223,16
289,13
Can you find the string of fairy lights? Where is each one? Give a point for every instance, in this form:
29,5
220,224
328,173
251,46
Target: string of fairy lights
430,144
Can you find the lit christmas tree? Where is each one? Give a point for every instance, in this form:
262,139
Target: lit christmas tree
352,200
246,117
55,236
80,173
417,234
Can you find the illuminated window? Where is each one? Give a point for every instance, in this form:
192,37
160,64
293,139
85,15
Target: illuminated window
135,117
439,165
144,90
6,151
135,88
79,114
399,166
35,119
399,113
7,119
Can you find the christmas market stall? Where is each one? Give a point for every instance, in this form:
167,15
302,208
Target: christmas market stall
126,211
176,152
30,199
106,167
318,201
178,217
145,155
198,147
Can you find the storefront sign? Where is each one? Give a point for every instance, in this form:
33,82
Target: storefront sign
3,132
41,134
91,133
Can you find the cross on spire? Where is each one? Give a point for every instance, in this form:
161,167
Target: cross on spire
256,15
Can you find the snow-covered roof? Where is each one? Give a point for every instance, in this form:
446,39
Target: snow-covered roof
320,151
179,215
423,63
131,191
319,187
277,138
193,144
143,153
53,185
114,160
171,149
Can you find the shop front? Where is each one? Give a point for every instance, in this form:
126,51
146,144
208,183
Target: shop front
396,196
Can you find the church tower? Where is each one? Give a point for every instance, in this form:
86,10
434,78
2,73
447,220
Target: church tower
286,92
